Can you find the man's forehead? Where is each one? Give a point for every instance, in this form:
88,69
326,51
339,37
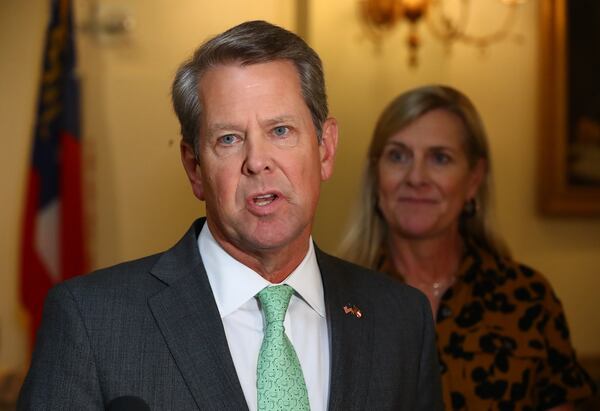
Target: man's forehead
231,90
283,64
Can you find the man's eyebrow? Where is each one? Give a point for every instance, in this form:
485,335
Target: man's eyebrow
280,119
220,127
216,127
286,117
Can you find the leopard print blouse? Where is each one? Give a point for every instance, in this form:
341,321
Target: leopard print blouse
503,341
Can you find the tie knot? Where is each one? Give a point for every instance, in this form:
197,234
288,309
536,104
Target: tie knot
274,301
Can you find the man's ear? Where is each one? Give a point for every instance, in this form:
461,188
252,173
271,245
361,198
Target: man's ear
192,169
328,147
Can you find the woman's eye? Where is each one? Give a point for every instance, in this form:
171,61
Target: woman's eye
398,156
281,131
228,139
441,158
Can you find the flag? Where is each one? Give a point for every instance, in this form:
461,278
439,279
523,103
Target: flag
53,243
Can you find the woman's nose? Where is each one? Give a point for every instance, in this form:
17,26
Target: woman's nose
417,173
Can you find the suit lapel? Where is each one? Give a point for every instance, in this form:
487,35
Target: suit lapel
351,337
189,320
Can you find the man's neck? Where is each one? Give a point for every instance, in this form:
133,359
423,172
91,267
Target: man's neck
274,265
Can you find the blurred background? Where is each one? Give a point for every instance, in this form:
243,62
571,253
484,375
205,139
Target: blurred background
137,198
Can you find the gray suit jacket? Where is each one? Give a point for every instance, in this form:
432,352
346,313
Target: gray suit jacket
150,328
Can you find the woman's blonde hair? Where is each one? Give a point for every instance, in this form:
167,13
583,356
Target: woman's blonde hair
367,231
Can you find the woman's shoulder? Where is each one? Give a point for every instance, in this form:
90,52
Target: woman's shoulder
507,272
506,291
503,316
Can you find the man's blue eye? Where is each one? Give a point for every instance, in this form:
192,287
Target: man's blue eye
228,139
280,131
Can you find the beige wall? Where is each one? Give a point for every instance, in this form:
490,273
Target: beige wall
137,193
503,83
19,69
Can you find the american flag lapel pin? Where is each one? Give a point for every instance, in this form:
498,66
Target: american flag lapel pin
351,309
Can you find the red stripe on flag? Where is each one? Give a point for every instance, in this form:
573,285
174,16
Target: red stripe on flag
73,255
55,174
35,277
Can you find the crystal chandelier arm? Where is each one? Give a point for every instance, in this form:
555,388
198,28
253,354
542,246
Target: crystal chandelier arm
448,30
500,34
456,31
379,18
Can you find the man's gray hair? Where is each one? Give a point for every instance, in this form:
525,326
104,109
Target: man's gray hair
251,42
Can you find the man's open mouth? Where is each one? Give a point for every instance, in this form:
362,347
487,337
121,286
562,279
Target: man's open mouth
264,199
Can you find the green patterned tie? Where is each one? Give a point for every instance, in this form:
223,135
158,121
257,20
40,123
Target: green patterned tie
279,379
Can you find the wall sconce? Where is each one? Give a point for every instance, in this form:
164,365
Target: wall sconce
381,16
107,22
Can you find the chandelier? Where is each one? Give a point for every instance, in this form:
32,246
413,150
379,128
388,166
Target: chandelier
381,16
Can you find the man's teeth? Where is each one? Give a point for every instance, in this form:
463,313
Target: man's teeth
264,199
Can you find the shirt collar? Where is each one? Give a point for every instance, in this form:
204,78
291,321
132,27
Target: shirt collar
233,284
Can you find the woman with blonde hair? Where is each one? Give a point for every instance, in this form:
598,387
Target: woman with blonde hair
423,217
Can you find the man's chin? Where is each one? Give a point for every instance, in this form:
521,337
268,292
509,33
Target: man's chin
271,243
276,236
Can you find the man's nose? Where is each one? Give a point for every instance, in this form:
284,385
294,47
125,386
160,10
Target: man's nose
258,155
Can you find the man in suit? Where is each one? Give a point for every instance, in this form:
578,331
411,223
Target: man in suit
184,329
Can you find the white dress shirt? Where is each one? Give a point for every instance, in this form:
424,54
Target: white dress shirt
235,286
